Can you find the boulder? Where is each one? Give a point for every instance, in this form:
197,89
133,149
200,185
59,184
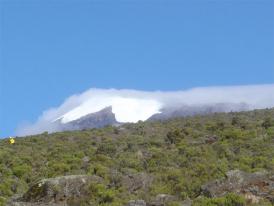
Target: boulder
137,181
162,200
187,202
211,139
65,190
136,203
34,204
253,186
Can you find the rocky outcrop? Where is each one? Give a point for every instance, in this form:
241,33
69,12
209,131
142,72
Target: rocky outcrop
159,200
253,186
65,190
162,200
210,139
137,181
98,119
136,203
187,202
35,204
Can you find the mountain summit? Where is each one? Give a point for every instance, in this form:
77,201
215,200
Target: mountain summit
106,116
93,120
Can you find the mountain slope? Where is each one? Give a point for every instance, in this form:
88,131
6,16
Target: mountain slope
176,160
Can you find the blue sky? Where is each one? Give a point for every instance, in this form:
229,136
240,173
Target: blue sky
53,49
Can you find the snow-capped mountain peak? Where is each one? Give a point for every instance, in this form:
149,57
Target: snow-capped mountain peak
125,109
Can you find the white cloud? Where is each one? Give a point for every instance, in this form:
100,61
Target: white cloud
125,109
133,105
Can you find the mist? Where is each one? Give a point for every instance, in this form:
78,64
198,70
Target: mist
134,105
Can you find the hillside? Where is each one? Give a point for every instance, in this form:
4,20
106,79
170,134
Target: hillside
172,162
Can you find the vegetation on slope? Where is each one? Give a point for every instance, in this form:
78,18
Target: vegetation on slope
180,155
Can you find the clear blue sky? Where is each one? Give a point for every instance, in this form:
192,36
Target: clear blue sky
52,50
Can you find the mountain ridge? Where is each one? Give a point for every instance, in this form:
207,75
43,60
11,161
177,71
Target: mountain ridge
106,116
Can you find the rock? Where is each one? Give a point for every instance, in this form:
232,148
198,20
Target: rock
137,181
211,139
85,162
65,190
34,204
162,200
187,202
253,186
136,203
85,159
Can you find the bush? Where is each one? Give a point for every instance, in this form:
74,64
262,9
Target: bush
268,122
228,200
21,170
2,201
101,193
174,137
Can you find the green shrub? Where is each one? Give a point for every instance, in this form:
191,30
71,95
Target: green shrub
2,201
101,193
228,200
21,170
174,137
